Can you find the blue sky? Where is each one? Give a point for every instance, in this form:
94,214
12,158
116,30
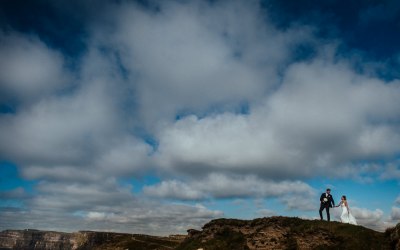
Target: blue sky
158,116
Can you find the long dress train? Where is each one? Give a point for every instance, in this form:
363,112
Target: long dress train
347,217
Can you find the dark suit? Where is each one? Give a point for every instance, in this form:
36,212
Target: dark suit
326,202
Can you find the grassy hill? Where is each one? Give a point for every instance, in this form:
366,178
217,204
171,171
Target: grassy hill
287,233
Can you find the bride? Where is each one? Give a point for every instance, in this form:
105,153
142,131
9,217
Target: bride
346,216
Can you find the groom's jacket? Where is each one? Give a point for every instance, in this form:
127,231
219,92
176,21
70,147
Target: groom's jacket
327,200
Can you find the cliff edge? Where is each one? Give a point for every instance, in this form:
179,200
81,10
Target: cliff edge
84,240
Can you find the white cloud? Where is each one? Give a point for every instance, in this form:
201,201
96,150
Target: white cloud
80,135
373,219
395,214
391,171
104,206
193,57
71,197
368,218
300,202
140,217
96,216
296,194
61,130
61,173
127,156
321,117
266,213
28,68
173,189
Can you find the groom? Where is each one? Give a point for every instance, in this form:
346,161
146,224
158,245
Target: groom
326,202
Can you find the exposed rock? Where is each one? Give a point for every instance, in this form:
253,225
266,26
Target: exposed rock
193,232
284,233
34,239
84,240
394,235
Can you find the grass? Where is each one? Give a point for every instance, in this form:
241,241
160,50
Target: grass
223,239
139,242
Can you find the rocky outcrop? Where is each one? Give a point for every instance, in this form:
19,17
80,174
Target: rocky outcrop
394,235
284,233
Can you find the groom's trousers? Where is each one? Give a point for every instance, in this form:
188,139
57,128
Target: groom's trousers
324,206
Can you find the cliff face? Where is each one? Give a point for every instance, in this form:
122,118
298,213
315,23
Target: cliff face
85,240
34,239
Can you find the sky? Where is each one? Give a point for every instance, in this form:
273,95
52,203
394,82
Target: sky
158,116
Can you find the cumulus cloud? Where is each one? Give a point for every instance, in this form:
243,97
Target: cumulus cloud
395,214
394,217
174,189
29,69
294,194
302,202
369,218
374,219
71,135
323,117
47,137
199,56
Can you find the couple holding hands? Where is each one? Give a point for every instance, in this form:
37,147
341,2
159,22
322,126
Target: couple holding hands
328,202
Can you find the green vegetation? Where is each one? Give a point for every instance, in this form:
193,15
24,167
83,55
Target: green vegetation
223,239
138,242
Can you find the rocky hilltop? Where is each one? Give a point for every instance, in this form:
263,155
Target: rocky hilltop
287,233
232,234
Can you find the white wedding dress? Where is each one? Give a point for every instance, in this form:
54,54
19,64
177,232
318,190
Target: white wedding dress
347,217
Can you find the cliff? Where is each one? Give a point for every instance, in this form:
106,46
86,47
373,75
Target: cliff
84,240
34,239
